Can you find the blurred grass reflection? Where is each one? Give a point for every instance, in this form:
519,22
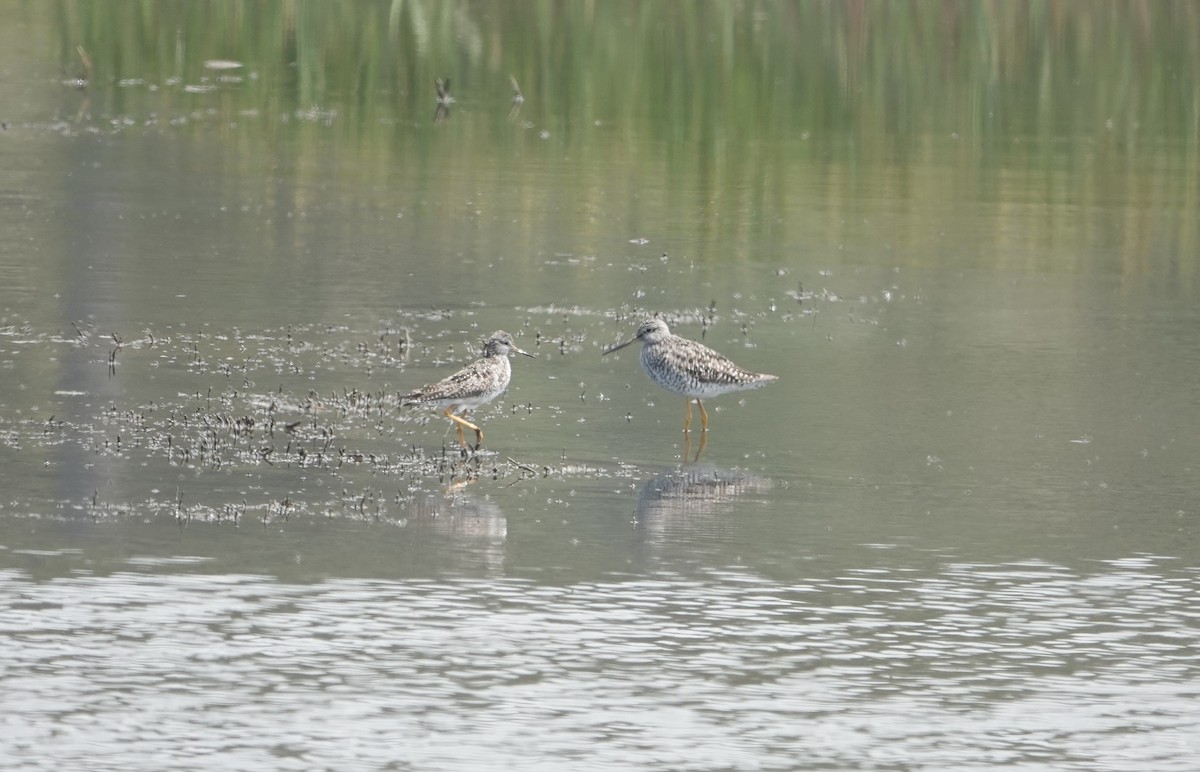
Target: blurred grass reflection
682,71
756,108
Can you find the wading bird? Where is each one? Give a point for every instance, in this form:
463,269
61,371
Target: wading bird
476,384
689,369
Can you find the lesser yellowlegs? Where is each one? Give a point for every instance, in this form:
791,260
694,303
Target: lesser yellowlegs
476,384
690,369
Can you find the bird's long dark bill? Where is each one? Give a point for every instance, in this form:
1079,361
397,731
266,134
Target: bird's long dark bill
619,346
526,353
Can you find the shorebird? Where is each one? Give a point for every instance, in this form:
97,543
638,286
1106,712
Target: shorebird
518,98
476,384
689,369
444,100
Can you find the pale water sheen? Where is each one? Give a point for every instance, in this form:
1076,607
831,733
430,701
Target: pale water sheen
958,533
1028,665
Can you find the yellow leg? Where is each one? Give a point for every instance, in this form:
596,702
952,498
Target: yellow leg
703,416
687,418
687,447
460,422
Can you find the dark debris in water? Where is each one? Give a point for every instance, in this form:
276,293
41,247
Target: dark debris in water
237,429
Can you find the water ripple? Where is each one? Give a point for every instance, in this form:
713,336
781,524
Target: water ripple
875,669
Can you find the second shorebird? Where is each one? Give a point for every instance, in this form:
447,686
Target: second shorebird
689,369
476,384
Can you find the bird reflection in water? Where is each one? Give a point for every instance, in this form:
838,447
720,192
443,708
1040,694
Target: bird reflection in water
473,526
686,496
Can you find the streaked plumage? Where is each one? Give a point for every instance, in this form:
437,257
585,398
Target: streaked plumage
476,384
689,369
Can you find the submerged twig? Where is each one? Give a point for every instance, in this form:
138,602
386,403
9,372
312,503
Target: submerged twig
519,465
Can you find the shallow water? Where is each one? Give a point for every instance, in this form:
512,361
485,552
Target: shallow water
1029,665
958,533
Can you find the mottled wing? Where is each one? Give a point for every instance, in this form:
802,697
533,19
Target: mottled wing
471,381
701,365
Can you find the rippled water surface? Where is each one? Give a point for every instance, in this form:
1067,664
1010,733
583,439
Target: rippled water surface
1028,665
959,532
